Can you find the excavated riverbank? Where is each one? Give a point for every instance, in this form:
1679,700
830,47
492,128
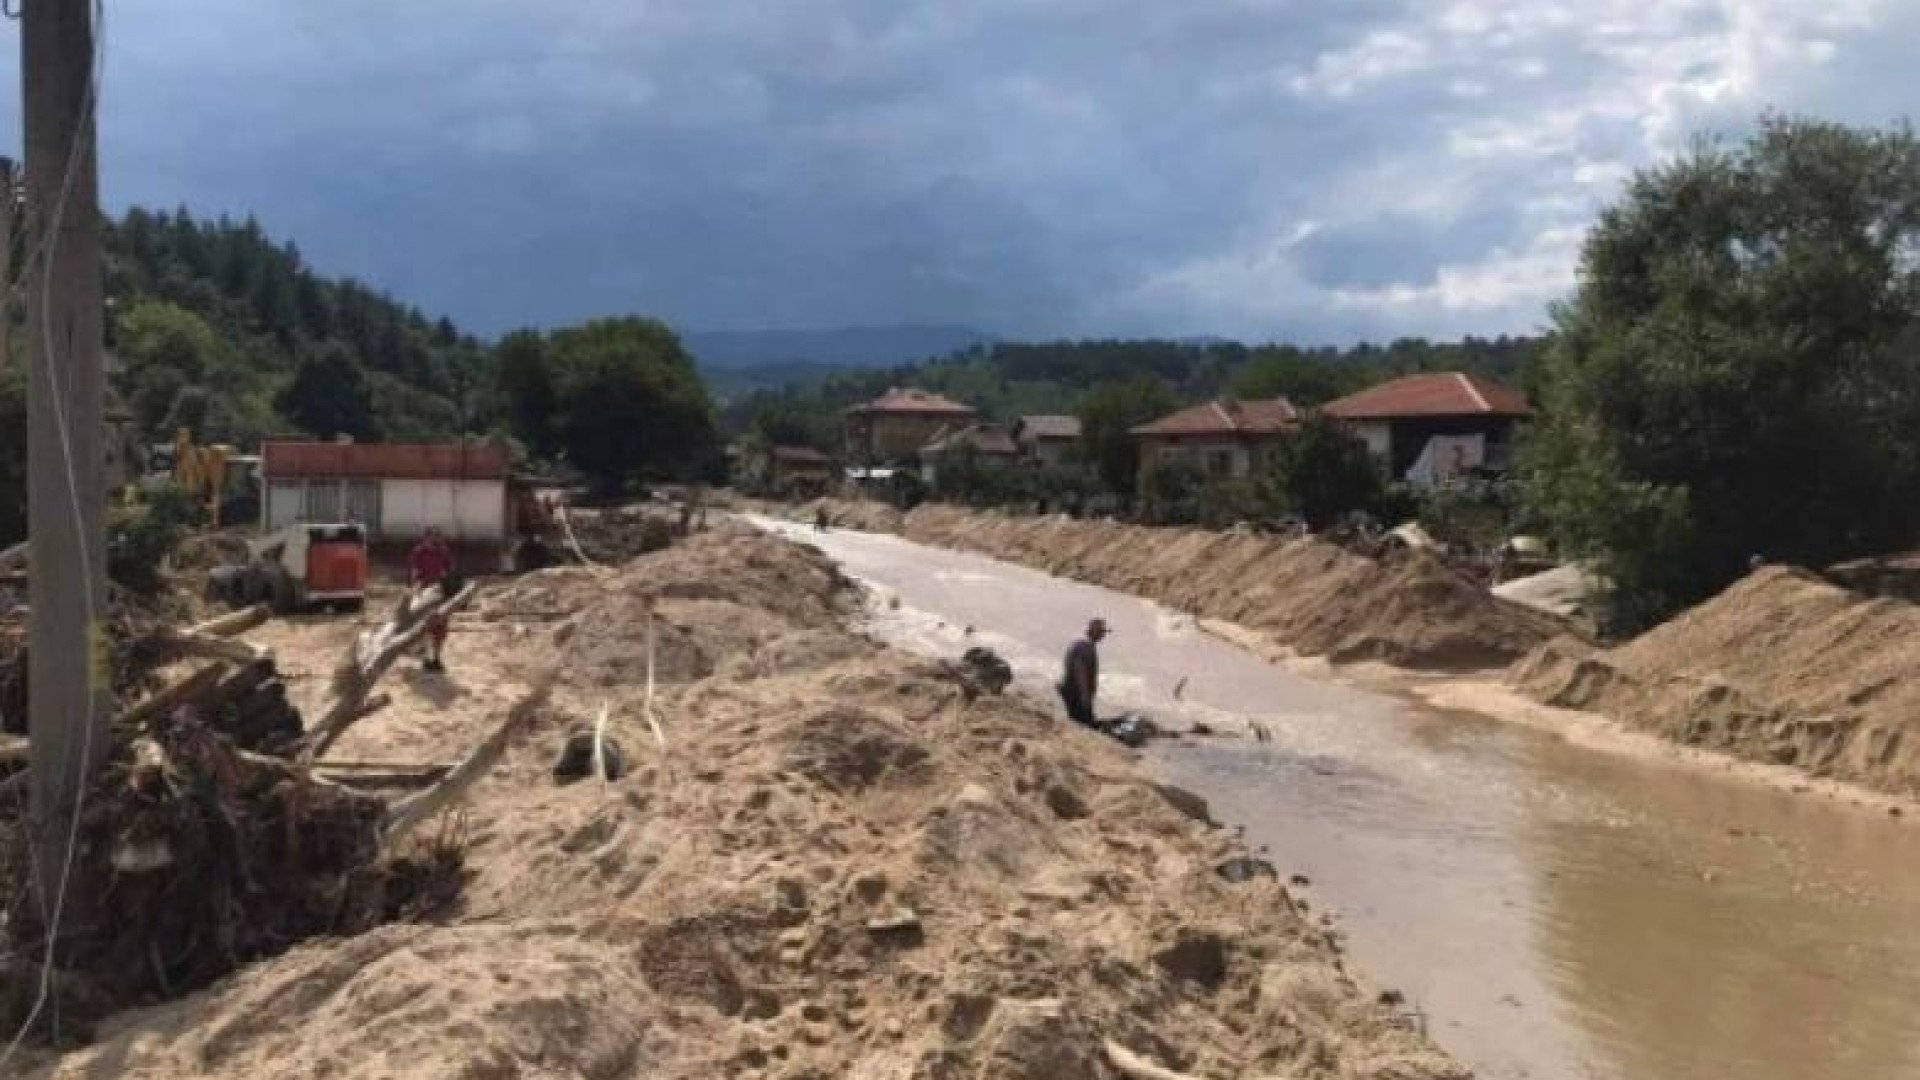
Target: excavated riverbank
1784,667
822,860
1304,594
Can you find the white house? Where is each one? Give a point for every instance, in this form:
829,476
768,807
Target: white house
395,490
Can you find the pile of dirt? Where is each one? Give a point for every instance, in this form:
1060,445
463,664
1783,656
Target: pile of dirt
615,534
725,602
1405,608
862,514
1783,667
836,865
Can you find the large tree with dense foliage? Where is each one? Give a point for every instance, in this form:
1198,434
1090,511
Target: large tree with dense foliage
1739,372
1108,415
164,349
527,392
1323,472
629,403
330,395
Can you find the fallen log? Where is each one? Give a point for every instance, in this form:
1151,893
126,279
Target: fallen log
396,776
406,815
353,680
233,622
212,647
373,705
357,765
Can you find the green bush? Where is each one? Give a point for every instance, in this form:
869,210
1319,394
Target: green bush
1223,501
140,539
1324,473
1479,514
1170,492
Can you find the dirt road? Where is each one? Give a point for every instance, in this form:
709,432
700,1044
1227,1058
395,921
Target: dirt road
1556,911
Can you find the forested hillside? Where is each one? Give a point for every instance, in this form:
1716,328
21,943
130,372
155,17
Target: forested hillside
212,321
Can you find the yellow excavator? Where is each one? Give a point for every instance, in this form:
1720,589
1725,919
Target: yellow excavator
218,478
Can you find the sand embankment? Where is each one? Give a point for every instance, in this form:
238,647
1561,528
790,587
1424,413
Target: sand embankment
1307,595
1783,667
836,866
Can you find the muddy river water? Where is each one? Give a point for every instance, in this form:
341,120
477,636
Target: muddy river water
1554,911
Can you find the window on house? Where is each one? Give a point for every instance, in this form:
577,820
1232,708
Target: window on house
323,500
1220,462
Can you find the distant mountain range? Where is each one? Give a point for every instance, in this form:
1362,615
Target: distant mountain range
846,348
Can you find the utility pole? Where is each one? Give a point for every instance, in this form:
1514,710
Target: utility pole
70,696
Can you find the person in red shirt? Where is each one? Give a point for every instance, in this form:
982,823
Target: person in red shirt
431,563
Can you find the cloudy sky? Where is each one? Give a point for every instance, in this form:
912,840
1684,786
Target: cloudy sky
1284,169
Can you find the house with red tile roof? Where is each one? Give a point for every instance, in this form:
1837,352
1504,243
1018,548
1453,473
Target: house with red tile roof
895,425
1436,425
1220,438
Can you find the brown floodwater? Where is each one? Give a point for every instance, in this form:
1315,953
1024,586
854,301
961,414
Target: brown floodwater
1552,910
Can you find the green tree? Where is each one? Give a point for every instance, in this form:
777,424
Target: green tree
1739,372
1323,472
965,475
1170,492
163,349
330,395
1301,377
406,413
630,405
240,418
526,378
784,422
1108,415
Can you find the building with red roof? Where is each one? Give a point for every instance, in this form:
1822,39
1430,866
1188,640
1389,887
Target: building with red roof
395,490
1436,425
1220,438
894,426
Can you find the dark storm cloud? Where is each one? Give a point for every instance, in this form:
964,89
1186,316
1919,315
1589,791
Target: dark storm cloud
1249,167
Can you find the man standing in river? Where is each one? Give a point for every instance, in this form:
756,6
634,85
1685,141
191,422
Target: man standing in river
1080,679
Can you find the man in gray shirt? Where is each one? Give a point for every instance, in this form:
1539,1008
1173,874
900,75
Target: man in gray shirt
1080,679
